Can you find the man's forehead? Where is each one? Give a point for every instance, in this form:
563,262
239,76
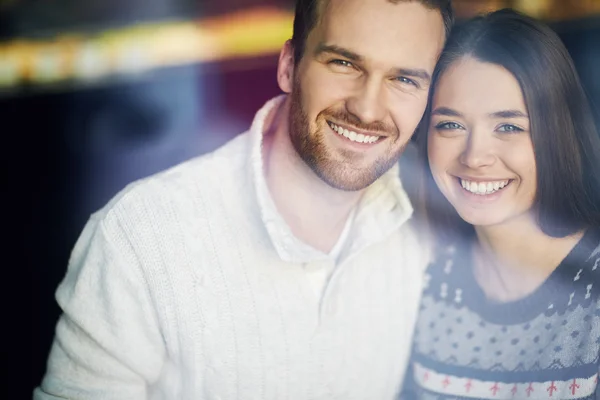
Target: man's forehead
322,4
392,18
357,8
375,29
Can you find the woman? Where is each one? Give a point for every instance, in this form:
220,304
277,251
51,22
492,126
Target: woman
511,307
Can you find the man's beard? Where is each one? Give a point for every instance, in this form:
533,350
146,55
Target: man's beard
342,173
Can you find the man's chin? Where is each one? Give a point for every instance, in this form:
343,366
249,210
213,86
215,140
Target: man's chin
350,181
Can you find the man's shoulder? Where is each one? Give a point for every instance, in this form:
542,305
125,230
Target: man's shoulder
230,157
176,187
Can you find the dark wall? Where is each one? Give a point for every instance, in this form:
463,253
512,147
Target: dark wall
582,38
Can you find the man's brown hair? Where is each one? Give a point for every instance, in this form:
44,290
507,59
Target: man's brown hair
308,12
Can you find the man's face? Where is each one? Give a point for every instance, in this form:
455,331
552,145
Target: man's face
361,88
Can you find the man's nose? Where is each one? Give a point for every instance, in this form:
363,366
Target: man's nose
367,103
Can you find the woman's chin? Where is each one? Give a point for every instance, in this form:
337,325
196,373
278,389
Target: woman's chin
480,219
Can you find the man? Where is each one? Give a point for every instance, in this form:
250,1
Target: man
281,265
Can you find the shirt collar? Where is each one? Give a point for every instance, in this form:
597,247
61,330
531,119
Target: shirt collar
383,208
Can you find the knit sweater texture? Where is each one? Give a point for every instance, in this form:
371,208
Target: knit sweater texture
180,289
543,346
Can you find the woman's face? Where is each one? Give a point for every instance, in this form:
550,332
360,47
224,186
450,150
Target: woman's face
480,149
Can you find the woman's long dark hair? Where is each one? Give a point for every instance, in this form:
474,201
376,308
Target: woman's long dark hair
565,139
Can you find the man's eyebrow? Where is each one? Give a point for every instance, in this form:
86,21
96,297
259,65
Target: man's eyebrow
508,114
331,48
445,111
413,73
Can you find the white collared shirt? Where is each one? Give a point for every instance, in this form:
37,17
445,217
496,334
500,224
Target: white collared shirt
383,208
292,249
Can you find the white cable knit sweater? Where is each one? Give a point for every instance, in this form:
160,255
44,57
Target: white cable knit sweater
179,289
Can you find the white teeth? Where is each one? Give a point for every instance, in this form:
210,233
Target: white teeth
353,136
483,188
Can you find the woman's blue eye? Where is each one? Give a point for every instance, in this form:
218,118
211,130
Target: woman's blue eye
448,126
509,128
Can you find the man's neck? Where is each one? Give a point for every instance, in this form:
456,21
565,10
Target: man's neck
315,212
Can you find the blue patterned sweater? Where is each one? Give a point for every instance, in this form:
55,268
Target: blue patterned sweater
544,346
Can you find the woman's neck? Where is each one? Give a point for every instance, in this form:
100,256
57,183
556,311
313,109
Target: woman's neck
514,258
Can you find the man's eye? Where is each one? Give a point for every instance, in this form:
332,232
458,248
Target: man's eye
342,63
408,81
448,126
509,128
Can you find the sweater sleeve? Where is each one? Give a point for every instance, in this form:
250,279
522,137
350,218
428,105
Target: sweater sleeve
107,343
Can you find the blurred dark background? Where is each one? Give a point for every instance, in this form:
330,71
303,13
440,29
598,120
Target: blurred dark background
71,144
